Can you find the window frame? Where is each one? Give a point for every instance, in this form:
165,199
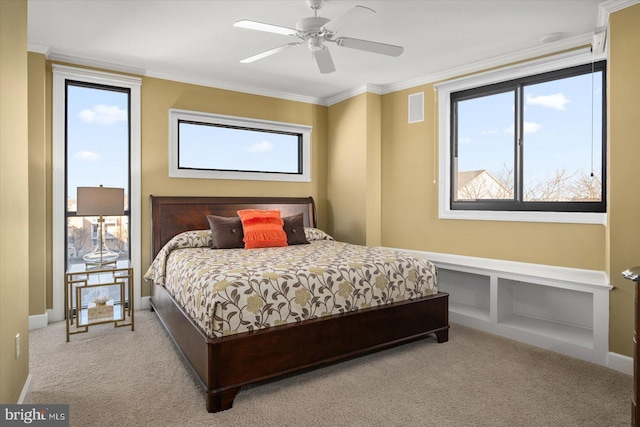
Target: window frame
177,116
495,211
62,73
115,88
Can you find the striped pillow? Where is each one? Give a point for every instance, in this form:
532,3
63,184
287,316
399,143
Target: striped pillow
262,228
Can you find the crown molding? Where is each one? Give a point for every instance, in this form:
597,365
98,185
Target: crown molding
513,71
498,61
95,63
38,48
368,87
97,76
129,69
604,10
253,90
611,6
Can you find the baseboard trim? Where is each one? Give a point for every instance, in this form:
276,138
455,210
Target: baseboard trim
620,363
25,390
52,316
144,303
38,321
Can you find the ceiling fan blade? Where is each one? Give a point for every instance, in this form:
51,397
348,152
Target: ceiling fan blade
269,28
353,14
369,46
268,53
324,61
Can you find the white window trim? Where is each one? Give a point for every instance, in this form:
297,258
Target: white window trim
196,116
60,75
552,63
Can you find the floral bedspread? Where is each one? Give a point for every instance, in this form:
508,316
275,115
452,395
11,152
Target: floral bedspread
228,291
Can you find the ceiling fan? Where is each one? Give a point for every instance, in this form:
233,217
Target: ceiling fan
316,31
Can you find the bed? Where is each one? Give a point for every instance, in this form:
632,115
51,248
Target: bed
225,362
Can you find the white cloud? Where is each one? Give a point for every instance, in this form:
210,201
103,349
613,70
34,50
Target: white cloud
89,156
529,127
464,140
556,101
490,132
260,147
103,114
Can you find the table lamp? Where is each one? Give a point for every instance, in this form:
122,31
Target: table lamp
101,202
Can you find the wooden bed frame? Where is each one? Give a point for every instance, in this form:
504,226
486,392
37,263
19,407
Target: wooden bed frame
224,365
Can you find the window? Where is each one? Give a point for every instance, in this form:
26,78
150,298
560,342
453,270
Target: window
97,153
530,148
223,147
96,140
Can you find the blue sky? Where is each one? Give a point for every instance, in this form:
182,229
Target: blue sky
97,138
557,121
213,147
557,129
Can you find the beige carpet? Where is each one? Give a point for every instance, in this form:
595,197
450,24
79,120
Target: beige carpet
117,377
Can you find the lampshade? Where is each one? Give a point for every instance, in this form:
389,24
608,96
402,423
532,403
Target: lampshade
95,201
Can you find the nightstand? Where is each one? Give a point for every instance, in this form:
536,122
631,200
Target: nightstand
95,296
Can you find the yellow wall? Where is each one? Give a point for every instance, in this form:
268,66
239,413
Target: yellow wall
624,170
158,96
368,162
374,170
410,197
354,170
38,174
410,204
346,174
14,201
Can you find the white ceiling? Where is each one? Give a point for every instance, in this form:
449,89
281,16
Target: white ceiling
195,41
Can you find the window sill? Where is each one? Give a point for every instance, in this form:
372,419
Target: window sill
557,217
250,176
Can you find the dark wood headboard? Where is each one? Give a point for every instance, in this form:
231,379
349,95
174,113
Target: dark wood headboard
171,216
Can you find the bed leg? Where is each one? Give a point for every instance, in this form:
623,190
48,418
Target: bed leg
443,335
221,400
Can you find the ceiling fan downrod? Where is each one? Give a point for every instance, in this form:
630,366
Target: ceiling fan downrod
313,32
315,5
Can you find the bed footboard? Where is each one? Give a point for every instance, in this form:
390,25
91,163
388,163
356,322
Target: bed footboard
224,365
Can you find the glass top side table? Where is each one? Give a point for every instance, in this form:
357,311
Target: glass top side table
95,296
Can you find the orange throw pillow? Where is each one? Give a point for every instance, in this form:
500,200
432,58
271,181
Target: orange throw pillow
262,228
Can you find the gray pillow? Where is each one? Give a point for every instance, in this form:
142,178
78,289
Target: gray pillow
226,232
294,227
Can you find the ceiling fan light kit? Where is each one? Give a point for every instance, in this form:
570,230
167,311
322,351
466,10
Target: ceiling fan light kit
315,31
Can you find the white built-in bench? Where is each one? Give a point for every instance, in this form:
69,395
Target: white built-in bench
561,309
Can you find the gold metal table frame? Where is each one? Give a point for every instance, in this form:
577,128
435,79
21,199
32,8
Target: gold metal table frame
81,278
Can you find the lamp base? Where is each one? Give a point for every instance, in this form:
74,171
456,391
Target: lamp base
99,259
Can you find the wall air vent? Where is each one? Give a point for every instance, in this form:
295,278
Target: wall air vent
416,107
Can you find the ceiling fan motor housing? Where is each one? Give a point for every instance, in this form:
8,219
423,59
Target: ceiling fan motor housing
313,31
310,29
311,25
